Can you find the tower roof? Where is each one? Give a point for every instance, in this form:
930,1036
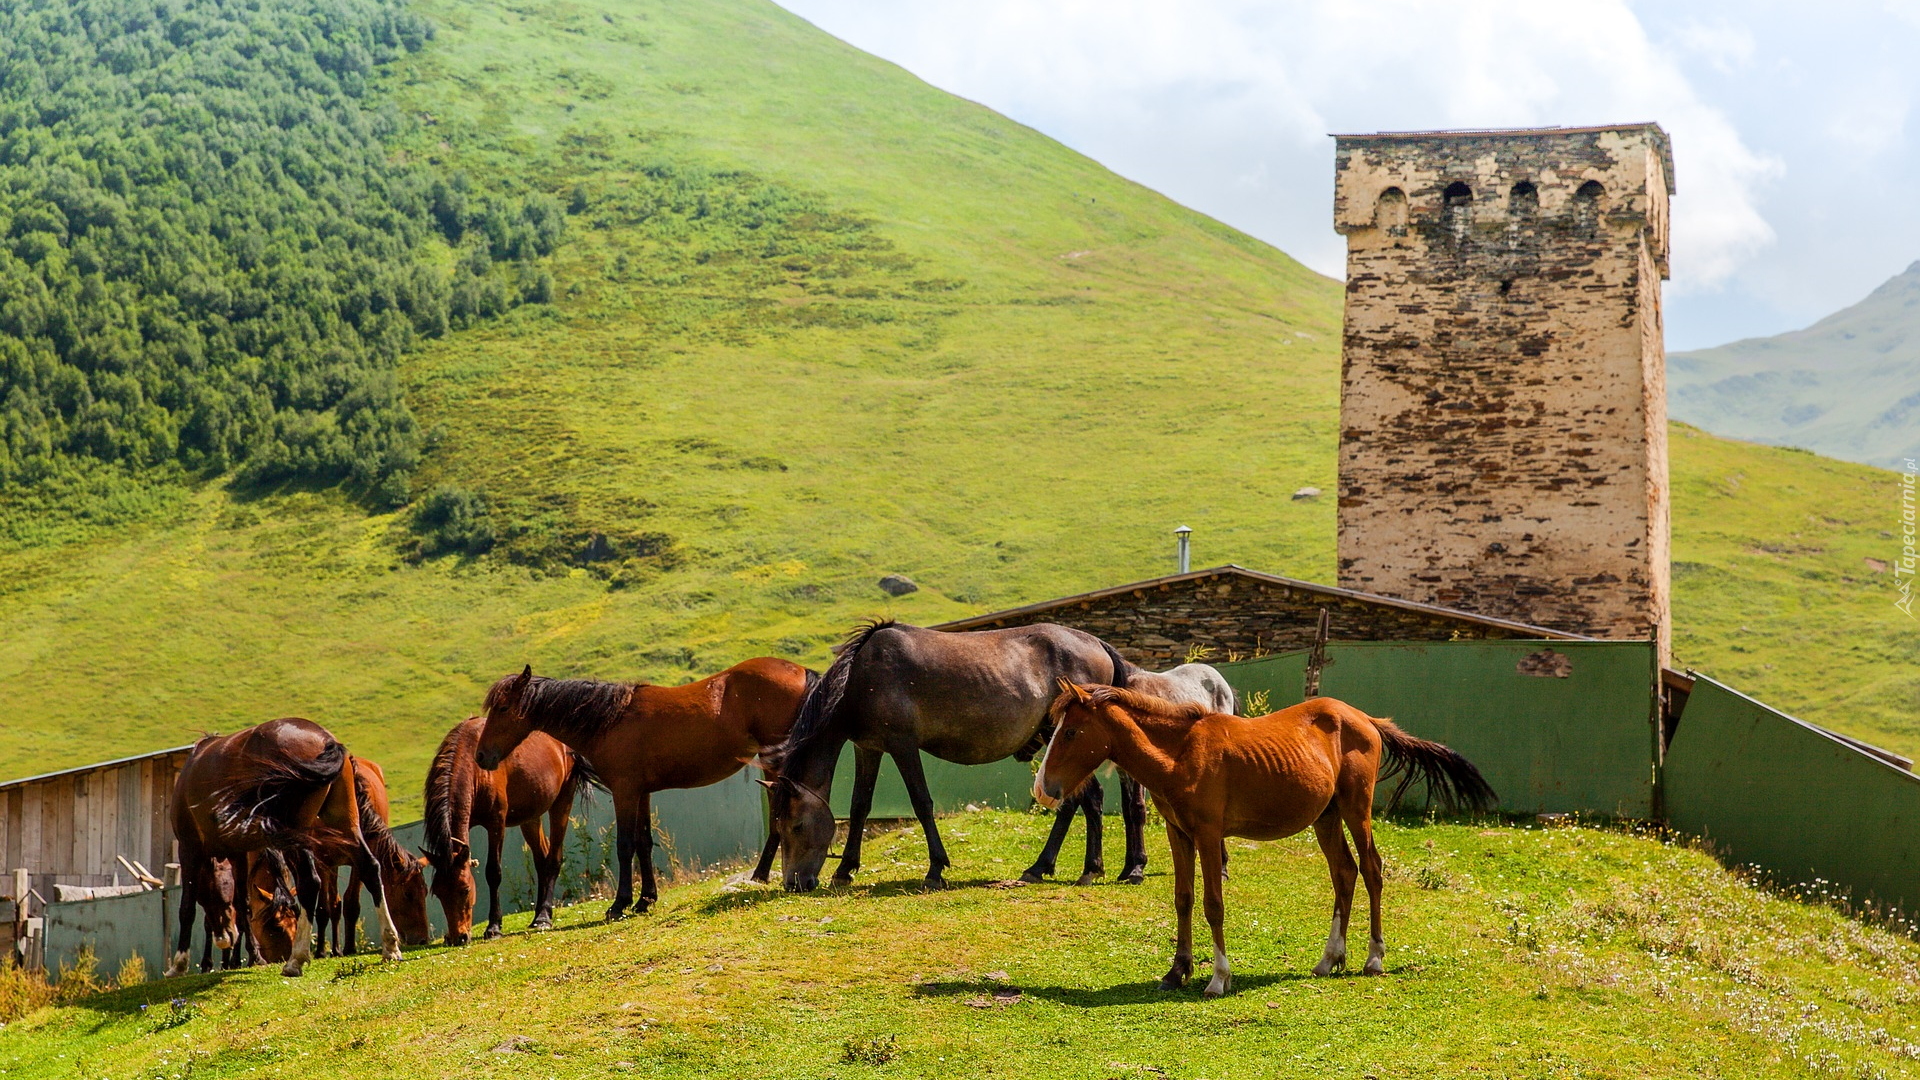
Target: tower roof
1659,135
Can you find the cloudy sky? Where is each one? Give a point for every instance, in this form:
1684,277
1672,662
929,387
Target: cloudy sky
1794,145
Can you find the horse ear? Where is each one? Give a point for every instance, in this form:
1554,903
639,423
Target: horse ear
768,784
473,864
526,673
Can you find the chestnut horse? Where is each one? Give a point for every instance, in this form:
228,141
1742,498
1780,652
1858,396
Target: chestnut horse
403,874
639,739
218,891
1184,684
273,916
538,778
1213,776
284,785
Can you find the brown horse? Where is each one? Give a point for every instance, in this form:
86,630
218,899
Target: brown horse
538,778
272,913
403,874
640,739
220,916
1213,776
283,785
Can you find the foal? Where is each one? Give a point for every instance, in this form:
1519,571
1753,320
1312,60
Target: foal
1214,776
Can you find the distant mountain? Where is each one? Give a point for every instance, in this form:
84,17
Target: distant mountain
1848,386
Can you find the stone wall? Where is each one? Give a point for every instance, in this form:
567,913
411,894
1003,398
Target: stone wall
1503,404
1239,615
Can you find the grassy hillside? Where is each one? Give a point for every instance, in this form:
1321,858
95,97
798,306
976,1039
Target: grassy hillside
813,322
1848,386
1511,952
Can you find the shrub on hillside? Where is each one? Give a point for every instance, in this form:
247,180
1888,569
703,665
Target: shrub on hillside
452,520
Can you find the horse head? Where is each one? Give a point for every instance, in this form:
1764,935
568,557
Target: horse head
507,725
407,900
272,913
453,886
1080,743
216,901
803,821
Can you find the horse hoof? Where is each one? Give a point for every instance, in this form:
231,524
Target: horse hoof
1169,982
840,881
1133,877
494,933
1374,967
1329,966
544,922
1217,987
933,884
1033,877
292,969
1088,878
616,913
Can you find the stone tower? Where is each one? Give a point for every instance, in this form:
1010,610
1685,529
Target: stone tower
1503,416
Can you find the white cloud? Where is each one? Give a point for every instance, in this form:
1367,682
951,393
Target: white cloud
1225,104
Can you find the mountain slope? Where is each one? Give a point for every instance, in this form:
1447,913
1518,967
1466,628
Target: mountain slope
813,322
1848,386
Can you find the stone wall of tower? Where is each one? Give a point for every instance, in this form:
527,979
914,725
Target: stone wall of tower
1503,391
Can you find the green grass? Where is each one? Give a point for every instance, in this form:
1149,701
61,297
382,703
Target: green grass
1512,952
815,322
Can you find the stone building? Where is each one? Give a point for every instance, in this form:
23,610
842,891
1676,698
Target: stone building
1240,613
1503,442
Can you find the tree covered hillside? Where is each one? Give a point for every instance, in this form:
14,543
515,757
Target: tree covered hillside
812,322
210,256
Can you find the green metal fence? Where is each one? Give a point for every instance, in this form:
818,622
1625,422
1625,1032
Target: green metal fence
1555,726
1790,798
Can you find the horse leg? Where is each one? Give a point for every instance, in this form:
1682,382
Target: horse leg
549,868
542,852
643,850
189,908
349,921
1133,817
1333,844
306,890
763,870
1213,890
1182,968
206,948
1043,866
1092,802
496,840
866,773
1359,820
369,868
625,819
908,762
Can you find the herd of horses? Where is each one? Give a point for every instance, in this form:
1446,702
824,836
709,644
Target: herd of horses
265,817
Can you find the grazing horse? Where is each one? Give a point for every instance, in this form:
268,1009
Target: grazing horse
1187,684
403,874
970,698
217,911
639,739
273,914
282,785
538,778
1213,776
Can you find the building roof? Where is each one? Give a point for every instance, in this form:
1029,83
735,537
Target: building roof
5,784
1659,133
1233,571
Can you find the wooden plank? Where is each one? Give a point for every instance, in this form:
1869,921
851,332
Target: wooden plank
127,838
32,821
17,832
56,826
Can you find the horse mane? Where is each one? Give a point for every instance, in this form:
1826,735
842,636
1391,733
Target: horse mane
1134,701
823,696
450,775
579,708
379,837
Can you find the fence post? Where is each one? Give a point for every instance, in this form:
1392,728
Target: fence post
1317,659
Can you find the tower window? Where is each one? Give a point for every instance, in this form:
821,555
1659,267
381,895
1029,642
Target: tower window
1391,211
1459,194
1524,199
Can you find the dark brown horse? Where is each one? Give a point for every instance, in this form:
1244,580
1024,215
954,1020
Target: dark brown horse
1213,776
402,873
220,915
640,739
897,690
283,785
538,778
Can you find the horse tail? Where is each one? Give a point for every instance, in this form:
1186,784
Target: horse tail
823,696
449,795
379,838
1121,669
1450,778
282,781
581,777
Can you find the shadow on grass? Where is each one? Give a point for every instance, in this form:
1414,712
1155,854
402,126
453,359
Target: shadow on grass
1140,993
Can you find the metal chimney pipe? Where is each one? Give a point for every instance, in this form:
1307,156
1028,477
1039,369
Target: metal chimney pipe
1186,553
